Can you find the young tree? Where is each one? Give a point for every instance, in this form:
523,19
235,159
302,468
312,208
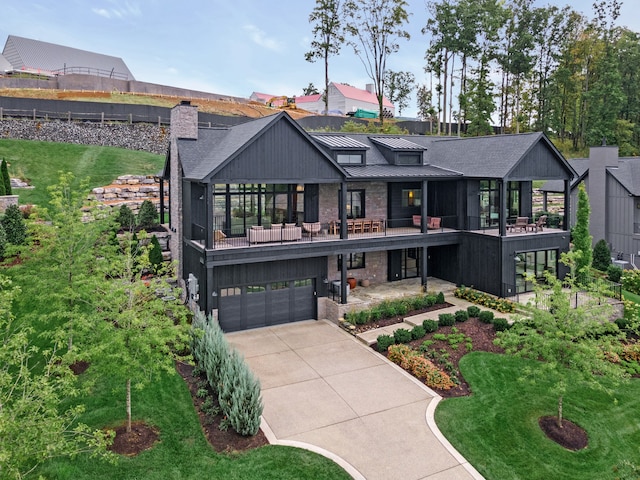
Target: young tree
573,344
155,255
146,330
582,240
147,216
34,383
6,179
399,86
375,26
328,34
601,256
125,218
14,225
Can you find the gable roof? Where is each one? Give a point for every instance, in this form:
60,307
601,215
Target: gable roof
493,156
361,95
628,174
309,98
36,56
215,148
580,165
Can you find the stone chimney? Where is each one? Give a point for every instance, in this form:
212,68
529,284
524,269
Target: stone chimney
600,158
184,121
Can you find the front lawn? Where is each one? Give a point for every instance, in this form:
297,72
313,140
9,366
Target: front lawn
496,428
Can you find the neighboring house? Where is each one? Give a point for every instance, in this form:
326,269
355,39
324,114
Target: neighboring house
345,99
261,97
42,58
311,103
613,186
270,221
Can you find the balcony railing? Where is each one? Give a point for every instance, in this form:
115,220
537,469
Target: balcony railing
238,236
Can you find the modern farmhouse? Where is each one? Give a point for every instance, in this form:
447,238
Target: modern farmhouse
270,221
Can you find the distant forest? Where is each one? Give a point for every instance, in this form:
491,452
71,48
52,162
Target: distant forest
544,69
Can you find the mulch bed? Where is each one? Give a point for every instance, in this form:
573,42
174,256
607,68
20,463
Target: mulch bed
222,441
570,436
140,438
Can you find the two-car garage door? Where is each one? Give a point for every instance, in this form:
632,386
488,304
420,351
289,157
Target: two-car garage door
259,305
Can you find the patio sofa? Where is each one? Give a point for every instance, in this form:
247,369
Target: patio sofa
277,233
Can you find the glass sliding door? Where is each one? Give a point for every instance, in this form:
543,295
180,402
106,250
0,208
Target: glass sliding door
530,266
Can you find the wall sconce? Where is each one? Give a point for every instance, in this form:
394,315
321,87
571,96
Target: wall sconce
325,280
516,258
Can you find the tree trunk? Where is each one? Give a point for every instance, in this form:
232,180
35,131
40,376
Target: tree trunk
128,405
326,84
560,411
444,93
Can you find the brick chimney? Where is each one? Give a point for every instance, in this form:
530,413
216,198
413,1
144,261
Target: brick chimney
369,88
600,158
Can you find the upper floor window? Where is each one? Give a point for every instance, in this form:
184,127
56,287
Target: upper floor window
409,159
349,158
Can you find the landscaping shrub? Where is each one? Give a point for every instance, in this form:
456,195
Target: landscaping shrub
384,342
3,241
601,256
14,225
388,309
419,366
500,324
401,307
125,218
473,311
622,323
6,179
446,319
631,281
489,301
614,272
429,325
147,216
486,316
417,332
440,298
245,405
461,316
402,335
430,300
155,254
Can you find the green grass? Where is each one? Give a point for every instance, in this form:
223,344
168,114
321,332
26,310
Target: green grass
41,162
497,430
631,296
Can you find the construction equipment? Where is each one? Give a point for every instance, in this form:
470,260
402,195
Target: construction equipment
282,102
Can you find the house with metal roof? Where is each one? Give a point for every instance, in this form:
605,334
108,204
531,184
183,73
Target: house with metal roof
269,221
25,55
613,186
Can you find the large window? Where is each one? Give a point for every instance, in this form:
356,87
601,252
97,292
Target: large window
489,203
534,265
240,206
411,197
349,158
354,261
513,199
355,204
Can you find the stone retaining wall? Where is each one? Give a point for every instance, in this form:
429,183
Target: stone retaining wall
7,201
130,190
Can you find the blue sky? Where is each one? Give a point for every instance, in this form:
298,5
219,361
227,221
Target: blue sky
220,46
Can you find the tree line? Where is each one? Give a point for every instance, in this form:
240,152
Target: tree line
496,65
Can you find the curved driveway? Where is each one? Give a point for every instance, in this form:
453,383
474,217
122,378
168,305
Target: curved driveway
326,391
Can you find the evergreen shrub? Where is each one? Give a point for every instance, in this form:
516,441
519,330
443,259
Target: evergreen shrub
486,316
446,319
473,311
417,332
147,216
14,225
500,324
461,316
429,325
402,335
125,218
384,342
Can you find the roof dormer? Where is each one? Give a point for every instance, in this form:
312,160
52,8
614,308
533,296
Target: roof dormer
343,149
399,151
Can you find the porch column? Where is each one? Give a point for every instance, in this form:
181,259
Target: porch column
423,207
208,207
343,213
567,205
503,207
343,275
423,267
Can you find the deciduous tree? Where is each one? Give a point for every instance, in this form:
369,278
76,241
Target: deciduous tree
399,86
375,27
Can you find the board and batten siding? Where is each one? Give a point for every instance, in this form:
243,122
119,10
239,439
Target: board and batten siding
620,216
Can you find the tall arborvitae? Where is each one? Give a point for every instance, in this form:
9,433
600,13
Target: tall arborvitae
6,180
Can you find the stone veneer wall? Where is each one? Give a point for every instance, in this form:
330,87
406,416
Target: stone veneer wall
375,200
7,201
375,268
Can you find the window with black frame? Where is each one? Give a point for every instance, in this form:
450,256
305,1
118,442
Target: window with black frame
354,261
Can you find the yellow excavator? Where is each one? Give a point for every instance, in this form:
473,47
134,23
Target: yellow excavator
285,102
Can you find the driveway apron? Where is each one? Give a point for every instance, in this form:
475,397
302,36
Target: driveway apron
324,390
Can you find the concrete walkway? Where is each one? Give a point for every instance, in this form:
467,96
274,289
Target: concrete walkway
326,391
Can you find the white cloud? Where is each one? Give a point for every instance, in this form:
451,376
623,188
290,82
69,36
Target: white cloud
119,10
260,38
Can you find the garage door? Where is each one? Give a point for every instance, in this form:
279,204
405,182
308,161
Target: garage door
253,306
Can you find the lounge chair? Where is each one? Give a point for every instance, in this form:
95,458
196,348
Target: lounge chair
434,223
521,224
539,224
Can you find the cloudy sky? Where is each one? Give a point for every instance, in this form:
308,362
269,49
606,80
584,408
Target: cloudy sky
220,46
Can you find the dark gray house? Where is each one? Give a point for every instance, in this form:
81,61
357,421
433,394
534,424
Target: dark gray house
270,222
613,186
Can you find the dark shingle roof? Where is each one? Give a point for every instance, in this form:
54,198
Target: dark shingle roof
628,174
214,146
483,157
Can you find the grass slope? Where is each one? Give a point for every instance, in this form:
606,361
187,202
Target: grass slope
41,162
497,430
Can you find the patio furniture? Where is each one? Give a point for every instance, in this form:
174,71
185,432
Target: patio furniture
312,228
377,225
417,220
539,224
433,223
277,233
521,224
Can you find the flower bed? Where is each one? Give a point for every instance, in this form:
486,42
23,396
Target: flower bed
474,296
